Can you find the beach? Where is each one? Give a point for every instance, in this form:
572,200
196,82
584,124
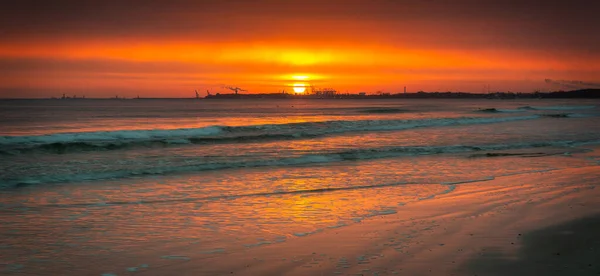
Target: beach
299,138
320,188
538,223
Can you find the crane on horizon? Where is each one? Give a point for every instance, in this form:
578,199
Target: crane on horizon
235,89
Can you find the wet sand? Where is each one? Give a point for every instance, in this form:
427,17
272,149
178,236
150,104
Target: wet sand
542,223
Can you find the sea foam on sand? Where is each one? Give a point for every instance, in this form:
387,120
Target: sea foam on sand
514,225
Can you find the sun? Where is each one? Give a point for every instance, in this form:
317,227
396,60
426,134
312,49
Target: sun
299,87
300,77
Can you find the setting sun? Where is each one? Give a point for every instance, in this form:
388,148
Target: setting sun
300,77
299,87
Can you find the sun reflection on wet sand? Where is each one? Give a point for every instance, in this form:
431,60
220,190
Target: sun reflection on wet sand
215,213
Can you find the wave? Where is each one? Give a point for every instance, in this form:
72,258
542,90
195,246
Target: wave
347,155
567,115
381,110
113,140
495,110
110,136
557,115
519,154
69,147
565,107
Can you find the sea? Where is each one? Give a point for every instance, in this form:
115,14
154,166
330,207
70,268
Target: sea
127,185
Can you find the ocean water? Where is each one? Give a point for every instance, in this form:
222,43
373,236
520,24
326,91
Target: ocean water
122,183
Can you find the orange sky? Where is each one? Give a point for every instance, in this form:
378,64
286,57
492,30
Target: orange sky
170,48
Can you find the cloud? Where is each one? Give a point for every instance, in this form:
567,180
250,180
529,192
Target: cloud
180,44
465,24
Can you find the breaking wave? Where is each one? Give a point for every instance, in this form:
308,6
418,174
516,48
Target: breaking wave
347,155
113,140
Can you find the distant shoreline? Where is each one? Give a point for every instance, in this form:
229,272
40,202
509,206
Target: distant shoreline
574,94
583,93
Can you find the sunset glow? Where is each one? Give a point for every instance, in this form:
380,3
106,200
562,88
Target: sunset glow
433,47
299,88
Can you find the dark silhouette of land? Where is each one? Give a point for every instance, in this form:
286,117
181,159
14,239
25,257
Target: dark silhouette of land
582,93
593,93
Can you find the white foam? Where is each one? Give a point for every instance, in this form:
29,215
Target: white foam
348,155
181,136
112,136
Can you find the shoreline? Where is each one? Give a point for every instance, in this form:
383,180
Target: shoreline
591,93
490,225
456,233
